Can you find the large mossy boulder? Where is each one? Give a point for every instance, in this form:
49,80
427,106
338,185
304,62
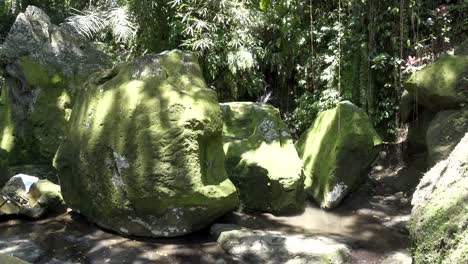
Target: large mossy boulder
261,158
144,153
43,65
444,132
442,84
439,217
336,152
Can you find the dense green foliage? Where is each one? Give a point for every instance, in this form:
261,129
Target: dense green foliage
286,52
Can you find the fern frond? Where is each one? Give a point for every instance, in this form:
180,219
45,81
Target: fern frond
89,24
120,24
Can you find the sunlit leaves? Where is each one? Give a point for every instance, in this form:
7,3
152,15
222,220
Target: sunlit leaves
97,23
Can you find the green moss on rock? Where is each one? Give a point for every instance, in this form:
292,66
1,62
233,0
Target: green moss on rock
6,133
44,66
336,151
261,158
462,49
444,132
144,151
441,84
5,259
439,217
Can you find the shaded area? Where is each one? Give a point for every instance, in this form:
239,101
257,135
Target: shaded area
70,237
360,223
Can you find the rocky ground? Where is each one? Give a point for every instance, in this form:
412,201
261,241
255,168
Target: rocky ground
371,222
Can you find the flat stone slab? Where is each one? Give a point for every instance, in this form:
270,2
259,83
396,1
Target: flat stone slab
255,246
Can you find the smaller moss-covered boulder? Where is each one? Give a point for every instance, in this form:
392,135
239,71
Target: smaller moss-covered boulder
46,172
442,84
417,128
444,132
336,152
29,196
144,153
5,259
439,218
261,159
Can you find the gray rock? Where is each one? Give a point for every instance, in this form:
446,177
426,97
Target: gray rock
444,132
57,261
21,248
407,107
6,259
44,65
34,35
399,257
440,216
29,196
255,246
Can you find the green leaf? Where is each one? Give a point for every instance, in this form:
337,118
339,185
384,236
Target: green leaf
264,4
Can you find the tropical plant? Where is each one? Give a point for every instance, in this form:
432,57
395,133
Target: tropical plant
224,34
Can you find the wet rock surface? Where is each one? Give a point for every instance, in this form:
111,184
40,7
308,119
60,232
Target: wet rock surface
256,246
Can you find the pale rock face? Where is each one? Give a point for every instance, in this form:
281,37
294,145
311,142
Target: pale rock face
255,246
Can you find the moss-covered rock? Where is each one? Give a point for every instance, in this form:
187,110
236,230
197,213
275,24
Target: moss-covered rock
408,107
258,246
444,132
462,49
336,151
442,84
439,217
29,196
5,259
417,129
44,65
144,152
261,158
